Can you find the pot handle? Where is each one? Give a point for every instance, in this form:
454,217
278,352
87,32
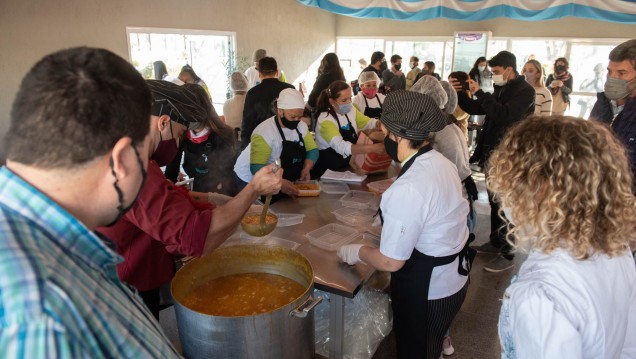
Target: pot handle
307,306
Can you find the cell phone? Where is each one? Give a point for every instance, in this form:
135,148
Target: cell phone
465,86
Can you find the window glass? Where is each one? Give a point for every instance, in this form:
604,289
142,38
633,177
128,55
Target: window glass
210,56
351,51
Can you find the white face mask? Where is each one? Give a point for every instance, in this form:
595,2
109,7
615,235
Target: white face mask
499,80
481,68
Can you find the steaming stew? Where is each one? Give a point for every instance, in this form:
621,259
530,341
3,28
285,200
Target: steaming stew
253,219
243,294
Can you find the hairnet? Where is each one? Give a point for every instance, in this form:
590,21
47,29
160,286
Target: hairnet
259,54
429,85
290,99
238,82
367,76
451,105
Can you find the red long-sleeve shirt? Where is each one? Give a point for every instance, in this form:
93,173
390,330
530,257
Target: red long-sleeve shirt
162,221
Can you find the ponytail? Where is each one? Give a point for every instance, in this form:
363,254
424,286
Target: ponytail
331,92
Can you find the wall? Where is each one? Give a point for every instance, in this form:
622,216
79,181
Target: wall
566,27
30,29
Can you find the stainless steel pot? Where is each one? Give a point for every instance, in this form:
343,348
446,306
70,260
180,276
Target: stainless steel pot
287,332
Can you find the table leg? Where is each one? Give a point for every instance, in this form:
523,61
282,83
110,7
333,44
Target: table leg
336,326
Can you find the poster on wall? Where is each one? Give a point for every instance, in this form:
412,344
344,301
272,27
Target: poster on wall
469,45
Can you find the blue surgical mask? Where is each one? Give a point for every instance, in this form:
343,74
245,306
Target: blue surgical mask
344,108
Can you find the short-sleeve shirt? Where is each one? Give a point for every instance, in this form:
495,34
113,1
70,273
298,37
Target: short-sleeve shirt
162,221
328,132
424,210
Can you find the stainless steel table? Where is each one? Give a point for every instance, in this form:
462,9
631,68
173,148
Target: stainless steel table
330,275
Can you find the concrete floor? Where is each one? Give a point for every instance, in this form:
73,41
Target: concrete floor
474,330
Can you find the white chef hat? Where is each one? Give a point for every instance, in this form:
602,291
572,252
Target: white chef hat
290,99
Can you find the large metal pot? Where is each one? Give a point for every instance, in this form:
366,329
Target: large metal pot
287,332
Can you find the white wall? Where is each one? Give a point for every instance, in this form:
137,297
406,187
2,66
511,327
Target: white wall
30,29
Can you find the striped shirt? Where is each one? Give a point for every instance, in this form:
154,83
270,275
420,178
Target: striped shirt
60,296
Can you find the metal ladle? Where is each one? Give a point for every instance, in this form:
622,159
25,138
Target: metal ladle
268,199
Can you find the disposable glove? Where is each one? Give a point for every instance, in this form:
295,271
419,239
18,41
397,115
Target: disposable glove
349,253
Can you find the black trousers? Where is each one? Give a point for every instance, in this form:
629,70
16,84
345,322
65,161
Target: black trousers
441,313
498,229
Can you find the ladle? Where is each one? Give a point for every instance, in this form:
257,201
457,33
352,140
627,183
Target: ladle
268,199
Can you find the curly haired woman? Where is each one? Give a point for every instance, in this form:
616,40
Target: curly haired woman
566,185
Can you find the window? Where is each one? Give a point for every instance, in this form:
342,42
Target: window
424,50
350,51
210,53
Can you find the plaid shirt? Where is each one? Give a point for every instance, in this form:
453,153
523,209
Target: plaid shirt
60,296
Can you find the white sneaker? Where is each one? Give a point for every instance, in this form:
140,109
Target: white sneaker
447,346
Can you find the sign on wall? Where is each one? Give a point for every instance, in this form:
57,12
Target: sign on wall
468,47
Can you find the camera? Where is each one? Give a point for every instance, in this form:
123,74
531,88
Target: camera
465,86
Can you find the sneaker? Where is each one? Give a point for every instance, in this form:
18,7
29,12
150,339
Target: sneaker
499,264
447,346
486,248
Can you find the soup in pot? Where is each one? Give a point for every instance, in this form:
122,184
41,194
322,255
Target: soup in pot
243,294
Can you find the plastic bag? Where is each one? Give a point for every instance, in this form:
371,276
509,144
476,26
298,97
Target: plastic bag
368,320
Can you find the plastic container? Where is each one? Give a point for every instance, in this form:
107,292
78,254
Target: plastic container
380,186
355,216
358,199
308,188
331,236
367,238
290,219
330,187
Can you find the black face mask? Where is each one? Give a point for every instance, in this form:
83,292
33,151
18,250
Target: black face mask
560,68
391,148
398,66
292,125
120,195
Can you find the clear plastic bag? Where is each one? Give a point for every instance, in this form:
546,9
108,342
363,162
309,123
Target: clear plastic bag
368,320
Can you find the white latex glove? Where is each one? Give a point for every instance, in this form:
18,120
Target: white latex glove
349,253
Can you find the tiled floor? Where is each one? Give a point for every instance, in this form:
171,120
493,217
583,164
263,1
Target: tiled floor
474,330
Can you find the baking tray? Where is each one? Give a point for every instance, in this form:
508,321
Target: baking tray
331,236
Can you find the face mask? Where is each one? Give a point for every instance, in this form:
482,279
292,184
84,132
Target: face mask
121,210
370,92
616,89
481,68
413,65
498,80
166,150
560,68
529,78
344,108
383,66
292,125
397,67
391,148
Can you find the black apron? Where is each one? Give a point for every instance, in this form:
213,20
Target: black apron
329,158
374,112
292,158
409,291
